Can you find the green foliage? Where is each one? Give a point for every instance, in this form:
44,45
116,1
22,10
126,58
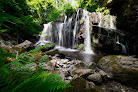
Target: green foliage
44,58
68,8
42,82
53,15
19,75
15,18
41,9
103,10
3,56
90,5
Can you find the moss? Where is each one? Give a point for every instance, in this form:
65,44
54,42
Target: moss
112,57
37,55
81,85
125,75
96,89
17,48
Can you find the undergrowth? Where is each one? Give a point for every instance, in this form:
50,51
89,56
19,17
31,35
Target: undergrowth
15,77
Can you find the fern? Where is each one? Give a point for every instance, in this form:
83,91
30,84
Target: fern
16,77
42,82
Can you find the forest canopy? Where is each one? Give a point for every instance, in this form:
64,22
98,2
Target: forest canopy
25,17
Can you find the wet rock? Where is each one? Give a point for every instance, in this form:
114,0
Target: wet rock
104,76
26,44
52,63
81,85
102,73
96,77
80,65
113,86
82,72
52,52
122,68
76,65
2,44
92,65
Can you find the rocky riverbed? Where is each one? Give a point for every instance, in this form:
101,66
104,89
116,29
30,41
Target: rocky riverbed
85,72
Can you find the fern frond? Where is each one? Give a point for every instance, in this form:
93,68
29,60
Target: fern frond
42,82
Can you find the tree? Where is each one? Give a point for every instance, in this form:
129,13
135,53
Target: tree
15,18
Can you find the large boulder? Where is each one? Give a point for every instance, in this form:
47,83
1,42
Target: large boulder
122,68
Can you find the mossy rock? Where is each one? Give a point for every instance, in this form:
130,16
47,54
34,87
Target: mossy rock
14,50
37,55
81,85
121,68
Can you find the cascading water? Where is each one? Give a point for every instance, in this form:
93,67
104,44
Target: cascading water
60,27
75,28
106,21
69,24
64,30
56,3
100,18
87,33
46,35
122,45
112,22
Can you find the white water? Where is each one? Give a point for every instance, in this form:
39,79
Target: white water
59,28
112,22
107,21
69,29
122,45
46,35
56,3
64,30
87,33
100,17
75,28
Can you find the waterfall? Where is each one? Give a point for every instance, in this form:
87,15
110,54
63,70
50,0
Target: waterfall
122,45
75,28
69,24
87,33
46,35
59,29
100,17
56,3
107,21
112,22
64,30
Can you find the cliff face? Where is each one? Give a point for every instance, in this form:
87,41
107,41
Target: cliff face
126,12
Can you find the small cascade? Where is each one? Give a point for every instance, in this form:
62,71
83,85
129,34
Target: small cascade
46,35
122,45
107,21
87,33
100,18
75,28
112,22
